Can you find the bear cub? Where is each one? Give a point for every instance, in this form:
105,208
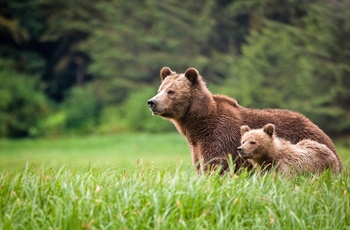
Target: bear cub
266,150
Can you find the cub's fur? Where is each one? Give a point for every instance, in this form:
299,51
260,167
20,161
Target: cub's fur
265,149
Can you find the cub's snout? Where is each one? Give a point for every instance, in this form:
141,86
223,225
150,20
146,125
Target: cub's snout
242,153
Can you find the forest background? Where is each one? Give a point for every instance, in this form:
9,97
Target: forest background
89,67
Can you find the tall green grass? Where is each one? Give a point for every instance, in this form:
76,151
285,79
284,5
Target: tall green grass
152,198
140,181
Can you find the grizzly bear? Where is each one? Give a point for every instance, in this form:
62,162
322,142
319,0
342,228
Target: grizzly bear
211,123
267,151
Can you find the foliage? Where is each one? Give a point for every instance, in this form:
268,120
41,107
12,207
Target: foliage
22,103
140,40
326,26
82,108
133,115
53,125
295,52
298,68
136,111
270,75
155,198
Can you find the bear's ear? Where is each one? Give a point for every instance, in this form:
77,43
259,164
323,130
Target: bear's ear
192,75
164,72
244,129
269,129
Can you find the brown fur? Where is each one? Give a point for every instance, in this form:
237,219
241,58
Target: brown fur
211,123
266,150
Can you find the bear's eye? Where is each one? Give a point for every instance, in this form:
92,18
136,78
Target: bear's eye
252,142
171,92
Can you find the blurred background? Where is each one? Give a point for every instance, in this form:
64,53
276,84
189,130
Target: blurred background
70,67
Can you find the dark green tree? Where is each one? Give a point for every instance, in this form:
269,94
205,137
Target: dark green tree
303,68
295,54
131,43
327,45
272,72
23,103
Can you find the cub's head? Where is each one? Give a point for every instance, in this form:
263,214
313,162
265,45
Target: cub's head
175,93
256,143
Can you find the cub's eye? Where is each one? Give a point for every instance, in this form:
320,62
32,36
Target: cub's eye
252,142
171,92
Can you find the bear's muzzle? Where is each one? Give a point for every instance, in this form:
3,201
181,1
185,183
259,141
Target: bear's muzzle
152,103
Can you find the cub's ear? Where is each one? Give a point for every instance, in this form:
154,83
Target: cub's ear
244,129
192,75
269,129
164,72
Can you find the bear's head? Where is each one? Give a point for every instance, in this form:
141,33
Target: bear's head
256,143
175,93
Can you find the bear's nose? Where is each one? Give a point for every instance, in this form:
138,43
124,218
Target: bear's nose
239,149
152,103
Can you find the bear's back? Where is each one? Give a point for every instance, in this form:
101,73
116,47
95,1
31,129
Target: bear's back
319,155
306,155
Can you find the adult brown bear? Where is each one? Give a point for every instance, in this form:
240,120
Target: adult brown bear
211,123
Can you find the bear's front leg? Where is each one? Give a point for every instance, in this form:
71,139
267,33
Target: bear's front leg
210,166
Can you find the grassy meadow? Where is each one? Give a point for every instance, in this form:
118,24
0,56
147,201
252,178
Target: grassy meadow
146,181
121,151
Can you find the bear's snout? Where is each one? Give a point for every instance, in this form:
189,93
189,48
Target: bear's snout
152,103
242,153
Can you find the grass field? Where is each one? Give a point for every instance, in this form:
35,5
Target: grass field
122,150
146,181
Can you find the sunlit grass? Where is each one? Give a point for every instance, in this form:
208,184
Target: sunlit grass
148,197
144,181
